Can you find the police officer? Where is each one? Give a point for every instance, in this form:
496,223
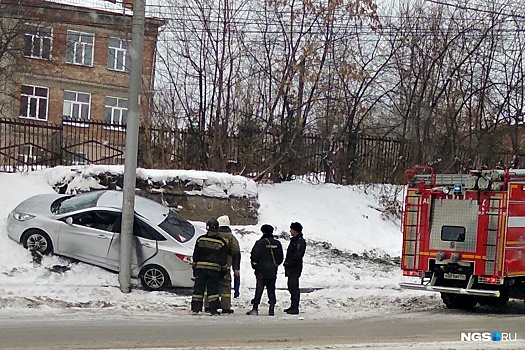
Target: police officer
266,256
293,265
210,257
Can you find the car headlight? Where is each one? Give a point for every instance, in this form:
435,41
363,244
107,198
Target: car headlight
22,216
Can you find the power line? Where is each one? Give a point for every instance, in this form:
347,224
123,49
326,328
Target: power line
476,9
254,26
246,28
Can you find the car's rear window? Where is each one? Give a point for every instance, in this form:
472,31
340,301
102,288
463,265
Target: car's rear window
82,201
178,227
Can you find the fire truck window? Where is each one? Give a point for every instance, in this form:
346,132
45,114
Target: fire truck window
453,233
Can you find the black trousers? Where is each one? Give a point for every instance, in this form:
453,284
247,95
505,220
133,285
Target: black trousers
206,280
293,288
269,283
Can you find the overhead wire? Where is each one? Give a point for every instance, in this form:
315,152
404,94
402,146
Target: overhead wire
253,21
247,27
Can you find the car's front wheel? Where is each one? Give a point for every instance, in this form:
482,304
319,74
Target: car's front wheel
154,277
38,241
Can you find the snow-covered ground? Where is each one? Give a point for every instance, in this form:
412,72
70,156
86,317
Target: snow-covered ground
351,270
349,265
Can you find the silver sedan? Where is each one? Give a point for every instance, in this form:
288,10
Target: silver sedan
86,227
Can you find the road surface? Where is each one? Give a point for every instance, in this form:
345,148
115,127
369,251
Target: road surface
417,330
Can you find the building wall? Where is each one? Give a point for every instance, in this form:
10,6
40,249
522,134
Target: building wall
58,75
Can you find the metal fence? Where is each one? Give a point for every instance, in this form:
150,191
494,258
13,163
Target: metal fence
27,145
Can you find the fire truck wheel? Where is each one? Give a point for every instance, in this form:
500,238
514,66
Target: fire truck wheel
458,301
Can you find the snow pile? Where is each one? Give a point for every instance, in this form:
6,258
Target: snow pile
349,271
209,184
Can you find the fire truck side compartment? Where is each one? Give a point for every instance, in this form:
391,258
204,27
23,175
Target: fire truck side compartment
515,239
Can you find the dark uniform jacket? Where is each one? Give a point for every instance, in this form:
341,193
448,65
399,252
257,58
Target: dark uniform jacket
293,264
211,253
266,256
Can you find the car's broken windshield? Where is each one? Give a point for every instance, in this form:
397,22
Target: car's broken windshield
69,204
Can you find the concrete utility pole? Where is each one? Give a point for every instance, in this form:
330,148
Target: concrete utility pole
132,137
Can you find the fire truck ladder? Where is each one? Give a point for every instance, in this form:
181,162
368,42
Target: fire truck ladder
412,231
441,179
493,233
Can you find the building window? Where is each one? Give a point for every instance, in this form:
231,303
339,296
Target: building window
118,56
76,106
116,110
33,102
79,48
30,154
37,41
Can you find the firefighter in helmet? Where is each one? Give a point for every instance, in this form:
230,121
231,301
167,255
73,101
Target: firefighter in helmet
234,262
210,258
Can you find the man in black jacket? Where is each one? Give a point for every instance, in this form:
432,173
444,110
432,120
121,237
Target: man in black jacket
266,256
293,265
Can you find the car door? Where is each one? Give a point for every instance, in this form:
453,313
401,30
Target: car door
144,245
87,235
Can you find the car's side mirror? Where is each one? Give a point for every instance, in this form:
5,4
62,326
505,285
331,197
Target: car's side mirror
69,221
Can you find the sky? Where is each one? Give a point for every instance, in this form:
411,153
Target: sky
349,267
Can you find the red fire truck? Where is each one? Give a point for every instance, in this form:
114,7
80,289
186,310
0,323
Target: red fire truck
464,235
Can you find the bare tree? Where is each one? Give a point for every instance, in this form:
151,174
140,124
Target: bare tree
200,65
296,44
444,65
10,51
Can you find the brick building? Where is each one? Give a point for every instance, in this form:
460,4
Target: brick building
71,67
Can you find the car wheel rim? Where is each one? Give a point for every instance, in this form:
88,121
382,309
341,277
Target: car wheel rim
154,278
37,242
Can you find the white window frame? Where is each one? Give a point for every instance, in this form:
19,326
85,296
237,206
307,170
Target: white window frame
25,153
113,54
29,153
78,47
37,99
117,125
72,106
42,39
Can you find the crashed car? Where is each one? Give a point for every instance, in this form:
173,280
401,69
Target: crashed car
86,227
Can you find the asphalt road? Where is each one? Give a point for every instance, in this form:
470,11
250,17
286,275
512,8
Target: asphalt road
107,331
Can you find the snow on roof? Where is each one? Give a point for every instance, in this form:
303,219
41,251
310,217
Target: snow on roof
96,4
153,7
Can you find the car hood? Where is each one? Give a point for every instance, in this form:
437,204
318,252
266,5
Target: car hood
40,204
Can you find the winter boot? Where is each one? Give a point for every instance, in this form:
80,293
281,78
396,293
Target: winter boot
253,312
292,311
214,306
271,310
196,306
